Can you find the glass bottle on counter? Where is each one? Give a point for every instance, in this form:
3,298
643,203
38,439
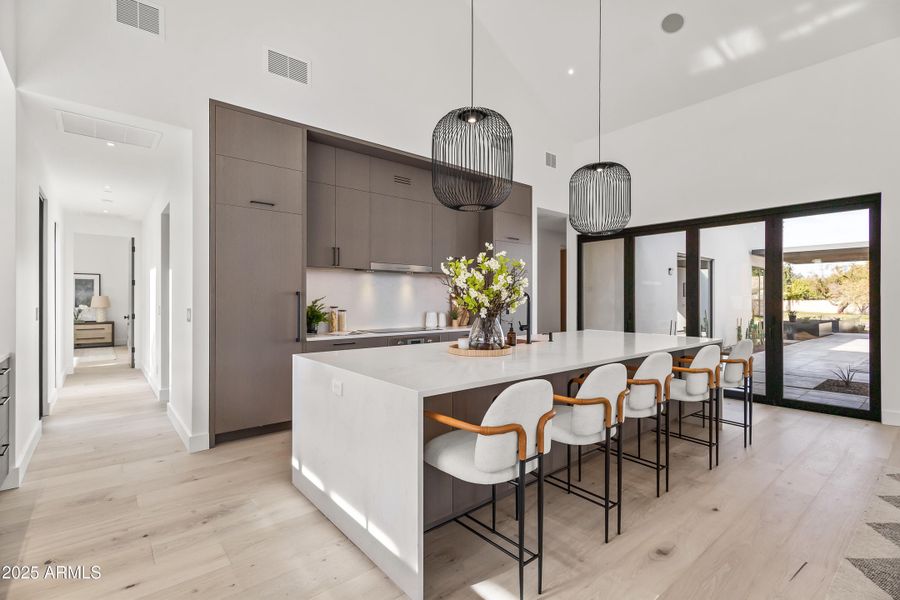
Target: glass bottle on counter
333,319
511,336
342,319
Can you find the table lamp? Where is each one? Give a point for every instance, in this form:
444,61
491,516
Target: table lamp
99,304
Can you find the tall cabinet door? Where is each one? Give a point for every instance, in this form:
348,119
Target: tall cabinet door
259,258
351,210
320,243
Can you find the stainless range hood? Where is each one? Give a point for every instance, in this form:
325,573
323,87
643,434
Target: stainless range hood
395,268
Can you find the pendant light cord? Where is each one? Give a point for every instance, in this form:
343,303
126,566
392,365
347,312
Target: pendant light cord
599,74
472,53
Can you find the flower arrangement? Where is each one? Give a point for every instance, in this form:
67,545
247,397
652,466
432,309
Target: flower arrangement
486,286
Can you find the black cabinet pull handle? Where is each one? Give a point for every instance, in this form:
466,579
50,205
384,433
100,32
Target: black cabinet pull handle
4,371
509,237
338,256
272,204
4,400
299,315
334,256
344,344
5,448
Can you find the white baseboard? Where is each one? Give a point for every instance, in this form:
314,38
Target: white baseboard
152,381
193,442
890,417
17,474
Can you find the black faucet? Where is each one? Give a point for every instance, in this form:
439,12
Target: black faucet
527,326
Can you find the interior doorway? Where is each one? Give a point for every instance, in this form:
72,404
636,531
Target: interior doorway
165,291
41,309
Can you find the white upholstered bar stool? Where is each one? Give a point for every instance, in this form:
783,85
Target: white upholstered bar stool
700,383
647,399
509,444
738,373
590,419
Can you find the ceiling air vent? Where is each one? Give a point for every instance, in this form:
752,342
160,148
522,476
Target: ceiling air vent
116,133
139,15
286,66
550,159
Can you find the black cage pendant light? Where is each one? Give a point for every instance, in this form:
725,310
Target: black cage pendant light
600,193
472,153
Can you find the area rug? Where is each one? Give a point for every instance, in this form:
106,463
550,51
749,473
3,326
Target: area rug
871,567
89,356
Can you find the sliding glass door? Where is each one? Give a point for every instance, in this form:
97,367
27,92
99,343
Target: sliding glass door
801,282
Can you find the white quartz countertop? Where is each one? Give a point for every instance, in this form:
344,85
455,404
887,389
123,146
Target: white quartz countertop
430,369
367,334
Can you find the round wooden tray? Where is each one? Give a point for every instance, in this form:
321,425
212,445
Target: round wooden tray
455,349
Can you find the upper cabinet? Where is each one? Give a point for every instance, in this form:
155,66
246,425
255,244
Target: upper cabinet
401,231
249,137
352,170
519,200
454,233
257,185
391,178
320,163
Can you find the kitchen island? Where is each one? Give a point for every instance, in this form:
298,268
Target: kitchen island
358,430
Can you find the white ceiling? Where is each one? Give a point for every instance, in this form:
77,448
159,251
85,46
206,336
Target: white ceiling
724,45
79,168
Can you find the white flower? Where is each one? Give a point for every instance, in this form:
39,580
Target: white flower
483,312
501,253
481,257
489,245
445,269
493,264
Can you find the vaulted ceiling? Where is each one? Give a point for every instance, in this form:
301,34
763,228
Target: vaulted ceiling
724,45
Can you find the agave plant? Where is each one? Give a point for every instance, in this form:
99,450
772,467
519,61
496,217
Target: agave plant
845,376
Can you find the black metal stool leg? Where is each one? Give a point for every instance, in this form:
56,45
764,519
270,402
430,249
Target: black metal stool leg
680,417
657,450
520,500
568,468
638,423
540,539
751,410
718,407
606,490
745,412
619,479
710,431
494,507
703,415
579,464
668,408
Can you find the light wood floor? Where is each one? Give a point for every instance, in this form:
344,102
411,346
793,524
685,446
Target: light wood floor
110,484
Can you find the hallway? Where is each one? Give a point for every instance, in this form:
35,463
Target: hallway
111,484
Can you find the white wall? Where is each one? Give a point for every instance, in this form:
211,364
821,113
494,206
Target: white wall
603,286
551,238
730,248
377,300
107,255
827,131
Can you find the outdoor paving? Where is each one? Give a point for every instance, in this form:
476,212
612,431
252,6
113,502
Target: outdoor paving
808,363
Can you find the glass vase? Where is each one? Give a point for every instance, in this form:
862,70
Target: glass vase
486,334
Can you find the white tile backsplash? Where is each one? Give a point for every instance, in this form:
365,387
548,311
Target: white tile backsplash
378,300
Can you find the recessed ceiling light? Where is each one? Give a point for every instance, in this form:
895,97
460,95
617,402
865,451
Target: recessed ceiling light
111,144
105,211
107,188
571,71
107,200
672,23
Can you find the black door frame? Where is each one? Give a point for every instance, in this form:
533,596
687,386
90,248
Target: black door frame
773,220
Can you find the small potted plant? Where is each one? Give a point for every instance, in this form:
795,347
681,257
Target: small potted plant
315,314
792,316
454,315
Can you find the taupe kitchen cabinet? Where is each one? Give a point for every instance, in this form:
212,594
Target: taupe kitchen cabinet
454,233
401,231
338,227
258,297
344,344
338,208
6,399
391,178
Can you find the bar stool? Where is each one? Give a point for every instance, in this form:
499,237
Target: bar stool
738,373
699,383
648,399
588,420
507,446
